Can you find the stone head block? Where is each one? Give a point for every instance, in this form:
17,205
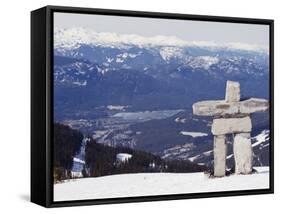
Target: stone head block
232,93
223,126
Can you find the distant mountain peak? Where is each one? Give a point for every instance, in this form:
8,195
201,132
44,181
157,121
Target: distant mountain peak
72,38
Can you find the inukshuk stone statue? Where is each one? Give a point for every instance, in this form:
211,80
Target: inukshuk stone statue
232,116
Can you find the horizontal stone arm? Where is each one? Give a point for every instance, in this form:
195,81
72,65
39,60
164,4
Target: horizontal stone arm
214,107
253,105
222,108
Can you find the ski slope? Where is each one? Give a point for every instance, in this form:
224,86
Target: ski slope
145,184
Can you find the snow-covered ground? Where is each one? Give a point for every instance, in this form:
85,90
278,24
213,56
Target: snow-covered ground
144,184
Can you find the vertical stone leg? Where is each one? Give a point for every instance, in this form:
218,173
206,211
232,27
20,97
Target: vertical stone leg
220,149
243,153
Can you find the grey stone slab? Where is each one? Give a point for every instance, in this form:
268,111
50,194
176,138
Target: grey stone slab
220,149
223,126
215,107
243,153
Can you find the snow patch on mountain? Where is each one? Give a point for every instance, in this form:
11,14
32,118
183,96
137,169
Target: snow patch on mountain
194,134
261,138
99,133
123,157
79,83
171,52
178,151
77,160
116,107
180,120
203,61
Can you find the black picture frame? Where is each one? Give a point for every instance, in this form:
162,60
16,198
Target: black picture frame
42,104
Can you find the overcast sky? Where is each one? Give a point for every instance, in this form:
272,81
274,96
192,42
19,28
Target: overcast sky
186,30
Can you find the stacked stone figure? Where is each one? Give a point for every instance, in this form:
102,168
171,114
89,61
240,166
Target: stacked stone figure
232,116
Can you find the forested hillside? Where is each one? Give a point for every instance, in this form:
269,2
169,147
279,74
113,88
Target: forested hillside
101,160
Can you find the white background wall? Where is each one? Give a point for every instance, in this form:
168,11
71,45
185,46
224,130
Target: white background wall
15,105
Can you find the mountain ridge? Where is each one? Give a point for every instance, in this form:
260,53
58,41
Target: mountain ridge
71,38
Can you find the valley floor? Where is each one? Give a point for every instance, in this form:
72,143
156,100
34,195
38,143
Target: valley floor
145,184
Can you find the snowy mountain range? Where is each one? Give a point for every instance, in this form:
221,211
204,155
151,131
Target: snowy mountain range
72,38
112,51
109,65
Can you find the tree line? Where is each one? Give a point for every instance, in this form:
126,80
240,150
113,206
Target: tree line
100,160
